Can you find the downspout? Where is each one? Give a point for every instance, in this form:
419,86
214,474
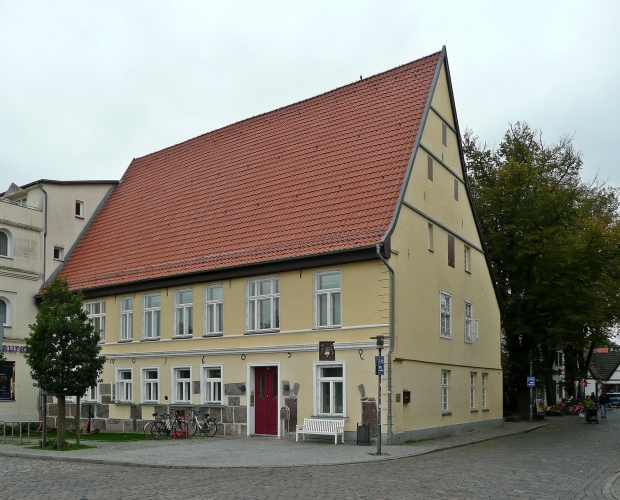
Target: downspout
44,231
392,337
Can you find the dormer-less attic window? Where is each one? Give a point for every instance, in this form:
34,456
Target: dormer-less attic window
79,209
444,134
21,202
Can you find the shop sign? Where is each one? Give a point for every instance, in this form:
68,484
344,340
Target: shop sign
13,348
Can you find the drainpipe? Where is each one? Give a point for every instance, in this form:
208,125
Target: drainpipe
392,336
44,230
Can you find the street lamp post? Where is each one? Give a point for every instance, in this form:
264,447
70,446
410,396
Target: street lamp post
379,371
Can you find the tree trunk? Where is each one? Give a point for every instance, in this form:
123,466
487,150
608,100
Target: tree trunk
60,432
523,399
77,420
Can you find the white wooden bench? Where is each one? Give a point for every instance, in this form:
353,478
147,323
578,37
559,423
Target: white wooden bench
322,426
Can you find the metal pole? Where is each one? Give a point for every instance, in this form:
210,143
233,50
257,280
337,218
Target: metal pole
379,413
531,400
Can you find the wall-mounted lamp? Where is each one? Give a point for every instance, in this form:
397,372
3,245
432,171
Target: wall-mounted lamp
360,352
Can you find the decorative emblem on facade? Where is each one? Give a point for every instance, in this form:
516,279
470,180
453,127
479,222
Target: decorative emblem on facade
327,351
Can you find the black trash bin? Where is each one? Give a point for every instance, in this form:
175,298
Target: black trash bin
363,434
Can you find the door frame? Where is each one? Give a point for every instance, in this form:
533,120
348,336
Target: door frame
250,387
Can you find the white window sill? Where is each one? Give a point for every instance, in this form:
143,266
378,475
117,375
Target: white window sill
214,334
79,216
334,327
213,405
330,416
149,339
470,342
188,336
6,257
123,403
124,341
260,332
445,337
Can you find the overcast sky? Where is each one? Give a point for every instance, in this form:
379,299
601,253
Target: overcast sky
86,86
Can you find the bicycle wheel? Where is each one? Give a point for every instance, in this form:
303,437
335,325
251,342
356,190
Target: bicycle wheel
192,427
158,430
147,430
210,427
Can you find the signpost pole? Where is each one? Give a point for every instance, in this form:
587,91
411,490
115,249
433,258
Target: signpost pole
379,371
531,400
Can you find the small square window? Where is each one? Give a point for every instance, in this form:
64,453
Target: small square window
59,253
79,209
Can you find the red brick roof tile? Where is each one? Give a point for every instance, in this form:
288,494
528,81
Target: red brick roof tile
319,176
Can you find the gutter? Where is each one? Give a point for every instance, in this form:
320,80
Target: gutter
392,338
44,232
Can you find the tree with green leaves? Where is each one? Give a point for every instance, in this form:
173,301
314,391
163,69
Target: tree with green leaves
63,348
554,244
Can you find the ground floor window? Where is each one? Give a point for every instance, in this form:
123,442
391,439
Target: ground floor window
472,391
330,389
445,379
212,384
123,388
150,385
484,390
7,382
90,396
182,380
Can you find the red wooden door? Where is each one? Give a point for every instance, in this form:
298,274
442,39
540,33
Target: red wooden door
266,405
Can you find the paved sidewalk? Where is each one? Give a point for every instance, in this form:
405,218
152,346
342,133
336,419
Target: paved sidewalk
254,452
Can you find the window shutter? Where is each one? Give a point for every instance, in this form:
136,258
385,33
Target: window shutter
474,329
451,260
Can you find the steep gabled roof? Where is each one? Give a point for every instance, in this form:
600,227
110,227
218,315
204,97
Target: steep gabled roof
604,364
322,175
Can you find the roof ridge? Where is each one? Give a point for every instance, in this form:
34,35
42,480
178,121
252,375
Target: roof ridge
230,125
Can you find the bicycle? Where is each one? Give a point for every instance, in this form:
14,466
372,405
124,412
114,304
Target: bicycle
208,427
168,425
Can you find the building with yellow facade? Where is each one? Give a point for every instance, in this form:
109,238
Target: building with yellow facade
248,268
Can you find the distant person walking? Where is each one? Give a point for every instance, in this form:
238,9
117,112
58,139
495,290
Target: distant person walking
603,401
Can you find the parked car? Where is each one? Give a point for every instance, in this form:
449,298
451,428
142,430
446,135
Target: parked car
614,399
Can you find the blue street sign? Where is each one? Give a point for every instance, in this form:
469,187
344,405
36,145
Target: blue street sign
380,365
531,381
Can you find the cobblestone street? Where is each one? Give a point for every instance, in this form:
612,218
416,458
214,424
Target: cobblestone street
565,460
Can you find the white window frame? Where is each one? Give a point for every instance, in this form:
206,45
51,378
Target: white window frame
466,258
92,394
125,328
93,317
472,390
148,316
318,379
9,243
445,391
185,312
152,382
483,386
186,387
468,313
22,202
79,209
122,390
61,253
214,311
331,295
445,315
7,311
253,301
209,385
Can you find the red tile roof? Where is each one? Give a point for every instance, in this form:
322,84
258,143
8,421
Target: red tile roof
318,176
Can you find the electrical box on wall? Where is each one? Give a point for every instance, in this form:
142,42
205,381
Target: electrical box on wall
406,396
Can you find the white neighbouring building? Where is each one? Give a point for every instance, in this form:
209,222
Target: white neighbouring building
40,222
